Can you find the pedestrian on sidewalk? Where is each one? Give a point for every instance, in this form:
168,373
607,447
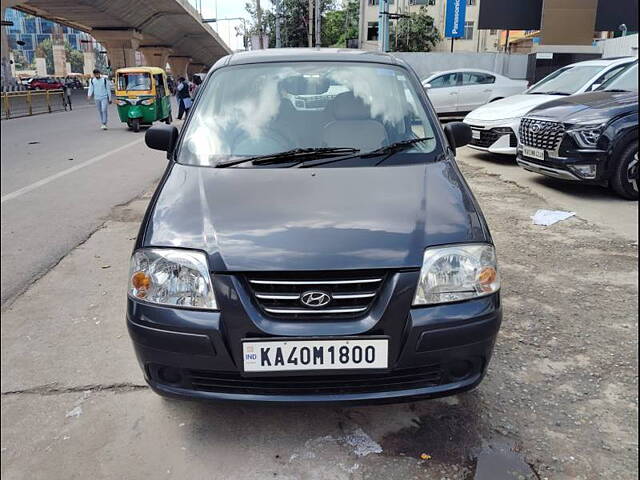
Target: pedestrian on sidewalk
183,96
100,88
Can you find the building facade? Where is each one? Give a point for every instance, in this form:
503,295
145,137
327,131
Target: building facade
28,31
474,40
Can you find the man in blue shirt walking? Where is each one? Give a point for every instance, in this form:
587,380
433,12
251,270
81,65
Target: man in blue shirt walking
101,90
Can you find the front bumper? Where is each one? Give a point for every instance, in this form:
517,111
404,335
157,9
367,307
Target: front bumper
561,167
433,351
495,137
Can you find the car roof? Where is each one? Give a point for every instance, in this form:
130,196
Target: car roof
312,55
604,62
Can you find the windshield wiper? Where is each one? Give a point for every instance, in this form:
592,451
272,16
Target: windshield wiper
615,90
387,150
289,156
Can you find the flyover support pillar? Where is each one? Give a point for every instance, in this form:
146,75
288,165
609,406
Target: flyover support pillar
121,45
179,66
194,68
156,56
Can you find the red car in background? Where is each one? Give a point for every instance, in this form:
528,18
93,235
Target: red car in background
44,84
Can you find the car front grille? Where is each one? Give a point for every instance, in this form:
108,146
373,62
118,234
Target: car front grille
489,137
541,133
229,382
348,294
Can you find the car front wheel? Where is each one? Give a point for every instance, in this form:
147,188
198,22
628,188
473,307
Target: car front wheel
625,177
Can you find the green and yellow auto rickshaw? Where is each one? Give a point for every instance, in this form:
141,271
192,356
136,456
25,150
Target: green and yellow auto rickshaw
142,96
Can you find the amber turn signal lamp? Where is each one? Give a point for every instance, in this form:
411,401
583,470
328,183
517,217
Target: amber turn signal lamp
141,282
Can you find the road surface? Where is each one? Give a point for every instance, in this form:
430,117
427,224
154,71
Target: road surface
61,176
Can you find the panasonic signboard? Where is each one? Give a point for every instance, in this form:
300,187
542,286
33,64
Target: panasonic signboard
454,23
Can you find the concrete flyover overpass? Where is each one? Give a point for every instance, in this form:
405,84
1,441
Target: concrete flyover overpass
164,31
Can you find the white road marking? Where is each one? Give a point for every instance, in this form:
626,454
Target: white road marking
45,181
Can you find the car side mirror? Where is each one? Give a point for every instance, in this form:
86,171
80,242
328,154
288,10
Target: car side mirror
426,86
162,137
458,134
595,86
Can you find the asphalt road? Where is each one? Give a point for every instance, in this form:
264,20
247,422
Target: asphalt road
61,176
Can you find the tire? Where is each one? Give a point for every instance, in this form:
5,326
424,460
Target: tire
135,125
625,175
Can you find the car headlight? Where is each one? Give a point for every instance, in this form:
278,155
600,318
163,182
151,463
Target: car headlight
457,272
172,277
120,102
587,136
148,101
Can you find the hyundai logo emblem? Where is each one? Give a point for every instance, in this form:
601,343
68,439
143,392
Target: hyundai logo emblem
535,128
315,298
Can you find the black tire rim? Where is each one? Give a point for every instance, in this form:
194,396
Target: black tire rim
632,172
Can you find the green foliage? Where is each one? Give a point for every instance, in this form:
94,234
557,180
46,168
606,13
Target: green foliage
20,61
294,22
340,25
74,57
415,34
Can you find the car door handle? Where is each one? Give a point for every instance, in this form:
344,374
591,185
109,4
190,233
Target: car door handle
487,90
453,93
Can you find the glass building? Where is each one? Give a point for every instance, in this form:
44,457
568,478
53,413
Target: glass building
28,31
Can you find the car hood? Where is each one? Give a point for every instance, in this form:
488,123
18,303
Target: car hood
510,107
260,219
591,107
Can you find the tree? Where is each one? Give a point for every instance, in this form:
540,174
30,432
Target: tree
415,34
74,57
294,22
45,50
340,25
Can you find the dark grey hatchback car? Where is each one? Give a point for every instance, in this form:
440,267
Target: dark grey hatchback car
312,240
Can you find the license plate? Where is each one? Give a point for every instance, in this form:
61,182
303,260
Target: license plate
536,153
292,355
475,134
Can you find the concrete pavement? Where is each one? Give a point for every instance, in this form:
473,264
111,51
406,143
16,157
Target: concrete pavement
595,204
61,176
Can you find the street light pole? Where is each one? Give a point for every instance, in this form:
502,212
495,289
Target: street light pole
278,39
259,15
318,19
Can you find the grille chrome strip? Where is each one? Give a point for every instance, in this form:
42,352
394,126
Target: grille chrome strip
278,296
319,311
314,282
345,296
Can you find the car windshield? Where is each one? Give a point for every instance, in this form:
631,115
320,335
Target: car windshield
626,80
264,109
134,81
566,81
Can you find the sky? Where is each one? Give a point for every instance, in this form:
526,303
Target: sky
227,9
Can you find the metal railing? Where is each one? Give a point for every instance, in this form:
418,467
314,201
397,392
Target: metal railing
20,104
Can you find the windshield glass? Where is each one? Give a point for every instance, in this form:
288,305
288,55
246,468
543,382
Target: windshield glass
627,80
256,110
134,81
567,80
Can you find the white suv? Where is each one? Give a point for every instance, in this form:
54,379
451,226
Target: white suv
495,126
